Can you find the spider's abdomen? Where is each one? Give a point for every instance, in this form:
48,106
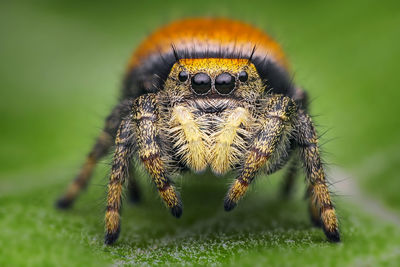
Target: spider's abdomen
151,63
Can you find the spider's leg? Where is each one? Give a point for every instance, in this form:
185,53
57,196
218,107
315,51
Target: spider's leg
100,149
270,141
290,176
318,190
150,154
124,144
301,99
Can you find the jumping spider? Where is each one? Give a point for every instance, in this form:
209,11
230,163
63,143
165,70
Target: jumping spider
208,93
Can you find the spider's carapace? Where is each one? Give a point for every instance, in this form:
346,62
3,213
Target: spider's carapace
208,93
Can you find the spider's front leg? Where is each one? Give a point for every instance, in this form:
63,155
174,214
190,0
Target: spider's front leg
140,124
276,121
321,207
150,153
119,171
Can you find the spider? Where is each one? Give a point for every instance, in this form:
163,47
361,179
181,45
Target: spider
208,93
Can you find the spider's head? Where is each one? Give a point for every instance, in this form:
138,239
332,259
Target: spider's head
214,78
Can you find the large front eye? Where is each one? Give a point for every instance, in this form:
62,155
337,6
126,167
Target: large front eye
225,83
201,83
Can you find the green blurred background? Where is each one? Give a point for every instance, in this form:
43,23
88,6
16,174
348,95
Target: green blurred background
60,74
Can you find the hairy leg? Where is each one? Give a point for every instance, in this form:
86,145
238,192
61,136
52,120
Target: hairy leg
119,171
273,135
318,190
101,147
301,99
149,151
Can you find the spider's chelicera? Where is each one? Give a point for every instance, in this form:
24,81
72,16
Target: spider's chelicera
208,93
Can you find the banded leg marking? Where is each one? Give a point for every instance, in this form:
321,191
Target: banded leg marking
319,193
150,152
119,172
275,128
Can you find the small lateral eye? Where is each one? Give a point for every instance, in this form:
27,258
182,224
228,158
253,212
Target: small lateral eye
225,83
243,76
201,83
183,76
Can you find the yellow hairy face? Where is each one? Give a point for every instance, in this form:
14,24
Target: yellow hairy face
210,112
245,80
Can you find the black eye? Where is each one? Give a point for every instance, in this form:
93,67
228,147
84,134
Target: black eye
243,76
183,76
201,83
225,83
